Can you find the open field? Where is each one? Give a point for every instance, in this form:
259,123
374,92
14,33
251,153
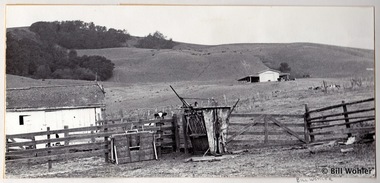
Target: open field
272,97
275,97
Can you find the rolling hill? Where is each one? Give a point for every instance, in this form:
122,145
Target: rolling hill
232,61
186,62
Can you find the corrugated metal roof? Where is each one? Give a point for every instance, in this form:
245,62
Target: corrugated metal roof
53,97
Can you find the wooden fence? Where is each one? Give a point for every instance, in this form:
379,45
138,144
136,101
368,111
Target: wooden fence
85,141
260,130
252,130
340,121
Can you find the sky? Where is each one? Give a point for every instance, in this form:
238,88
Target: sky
212,25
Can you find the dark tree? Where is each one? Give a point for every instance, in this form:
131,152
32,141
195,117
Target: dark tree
284,67
79,35
156,41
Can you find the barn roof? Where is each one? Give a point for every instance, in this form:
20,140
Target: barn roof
54,97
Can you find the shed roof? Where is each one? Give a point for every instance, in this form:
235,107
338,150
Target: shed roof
54,97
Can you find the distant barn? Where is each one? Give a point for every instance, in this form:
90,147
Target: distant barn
265,76
33,109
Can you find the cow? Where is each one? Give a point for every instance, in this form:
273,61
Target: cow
159,115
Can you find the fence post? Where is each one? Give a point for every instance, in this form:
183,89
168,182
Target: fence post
265,130
159,139
34,142
66,134
184,126
92,132
325,86
106,152
48,146
348,126
307,125
175,133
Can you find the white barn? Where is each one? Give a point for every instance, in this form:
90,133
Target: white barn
34,109
265,76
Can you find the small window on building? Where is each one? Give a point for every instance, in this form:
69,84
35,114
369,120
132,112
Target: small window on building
21,120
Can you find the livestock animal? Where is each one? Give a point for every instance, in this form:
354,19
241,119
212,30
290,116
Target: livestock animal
159,115
334,86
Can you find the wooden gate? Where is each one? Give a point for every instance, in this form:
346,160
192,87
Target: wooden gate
259,130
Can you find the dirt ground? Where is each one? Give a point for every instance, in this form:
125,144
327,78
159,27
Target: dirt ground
263,162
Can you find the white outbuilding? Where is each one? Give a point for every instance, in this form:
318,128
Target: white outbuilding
265,76
33,109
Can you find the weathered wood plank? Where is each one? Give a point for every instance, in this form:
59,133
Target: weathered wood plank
262,124
260,133
235,142
341,119
245,128
92,128
286,129
273,115
340,105
97,145
45,159
342,124
342,113
345,131
70,138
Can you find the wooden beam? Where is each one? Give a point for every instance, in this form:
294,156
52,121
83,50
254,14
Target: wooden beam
245,128
286,129
265,130
184,126
259,114
307,125
351,122
340,105
343,113
44,159
339,119
346,120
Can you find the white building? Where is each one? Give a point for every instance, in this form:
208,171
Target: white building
33,109
265,76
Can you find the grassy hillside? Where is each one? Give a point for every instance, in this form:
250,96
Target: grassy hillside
233,61
187,62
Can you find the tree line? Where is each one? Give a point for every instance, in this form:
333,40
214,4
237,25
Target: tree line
79,35
51,52
41,60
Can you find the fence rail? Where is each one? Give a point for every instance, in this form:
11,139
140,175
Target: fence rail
359,119
41,147
266,130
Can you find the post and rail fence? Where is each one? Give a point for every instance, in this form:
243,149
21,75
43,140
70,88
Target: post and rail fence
337,122
41,147
255,130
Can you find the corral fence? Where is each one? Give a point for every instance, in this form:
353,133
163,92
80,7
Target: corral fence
263,130
245,130
45,147
338,122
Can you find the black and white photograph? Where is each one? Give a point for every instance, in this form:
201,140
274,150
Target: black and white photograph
189,91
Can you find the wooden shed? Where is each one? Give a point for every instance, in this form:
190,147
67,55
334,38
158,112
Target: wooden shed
207,128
